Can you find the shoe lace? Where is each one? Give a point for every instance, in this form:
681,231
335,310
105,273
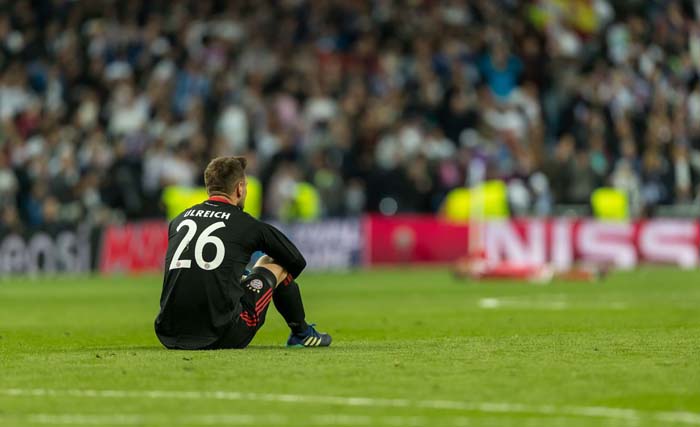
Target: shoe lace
314,332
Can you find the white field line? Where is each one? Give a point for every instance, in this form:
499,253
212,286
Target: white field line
680,417
142,419
240,419
495,303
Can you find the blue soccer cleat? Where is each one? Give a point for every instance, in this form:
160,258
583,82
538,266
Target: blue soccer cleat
309,338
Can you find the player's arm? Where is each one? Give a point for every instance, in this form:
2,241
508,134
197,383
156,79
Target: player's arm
282,250
171,229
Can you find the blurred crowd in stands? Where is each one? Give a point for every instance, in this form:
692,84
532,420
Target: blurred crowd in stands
103,103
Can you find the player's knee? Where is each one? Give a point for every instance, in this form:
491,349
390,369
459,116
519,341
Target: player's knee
269,264
265,259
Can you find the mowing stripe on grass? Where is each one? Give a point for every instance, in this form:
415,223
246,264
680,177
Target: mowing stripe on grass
485,407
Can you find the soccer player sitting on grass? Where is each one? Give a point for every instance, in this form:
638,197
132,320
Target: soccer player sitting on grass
206,302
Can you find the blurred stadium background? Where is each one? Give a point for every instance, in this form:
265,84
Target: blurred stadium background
350,113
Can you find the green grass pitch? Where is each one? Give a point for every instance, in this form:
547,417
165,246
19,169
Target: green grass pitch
412,347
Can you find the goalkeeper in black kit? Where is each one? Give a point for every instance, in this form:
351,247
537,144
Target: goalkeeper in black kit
207,302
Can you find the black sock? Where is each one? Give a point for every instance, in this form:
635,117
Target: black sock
287,299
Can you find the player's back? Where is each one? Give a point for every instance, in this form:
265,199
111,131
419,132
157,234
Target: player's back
209,246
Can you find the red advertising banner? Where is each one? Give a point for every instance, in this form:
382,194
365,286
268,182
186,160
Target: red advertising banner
560,242
134,248
413,238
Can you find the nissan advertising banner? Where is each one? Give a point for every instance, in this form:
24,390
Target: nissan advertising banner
561,242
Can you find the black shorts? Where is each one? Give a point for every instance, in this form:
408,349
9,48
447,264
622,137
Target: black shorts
249,317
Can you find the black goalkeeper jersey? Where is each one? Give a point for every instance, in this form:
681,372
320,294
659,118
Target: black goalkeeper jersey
209,246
